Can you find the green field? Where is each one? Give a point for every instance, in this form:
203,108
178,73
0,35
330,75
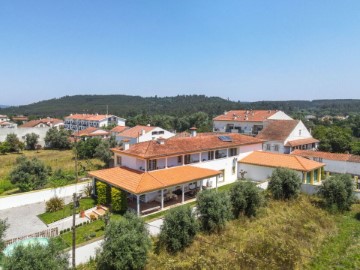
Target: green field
54,158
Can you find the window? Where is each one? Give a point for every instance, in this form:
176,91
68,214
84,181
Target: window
210,155
187,159
180,159
154,133
232,152
299,132
267,147
276,148
152,164
161,132
118,160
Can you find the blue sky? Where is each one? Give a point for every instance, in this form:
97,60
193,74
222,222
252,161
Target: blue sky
242,50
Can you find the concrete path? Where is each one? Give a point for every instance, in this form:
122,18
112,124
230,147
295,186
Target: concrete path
23,220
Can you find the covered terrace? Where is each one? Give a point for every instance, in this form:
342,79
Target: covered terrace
154,190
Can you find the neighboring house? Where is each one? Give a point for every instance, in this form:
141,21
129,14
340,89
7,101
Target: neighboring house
143,133
6,124
4,118
77,122
156,173
246,121
283,136
117,130
260,165
42,123
334,163
310,117
20,119
92,132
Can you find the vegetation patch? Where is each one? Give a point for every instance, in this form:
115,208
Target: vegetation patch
284,235
50,217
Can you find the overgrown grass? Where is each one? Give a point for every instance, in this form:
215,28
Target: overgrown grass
342,250
54,158
283,236
85,203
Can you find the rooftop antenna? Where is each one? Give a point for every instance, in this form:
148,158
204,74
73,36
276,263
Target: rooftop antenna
107,109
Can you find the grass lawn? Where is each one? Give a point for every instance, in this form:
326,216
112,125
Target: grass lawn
342,250
54,158
85,204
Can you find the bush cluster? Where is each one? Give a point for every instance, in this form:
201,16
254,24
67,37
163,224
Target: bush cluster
55,204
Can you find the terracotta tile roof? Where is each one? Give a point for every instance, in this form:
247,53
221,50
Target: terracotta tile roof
277,130
135,131
268,159
89,117
326,155
119,129
91,131
46,121
20,118
138,182
182,145
246,115
301,142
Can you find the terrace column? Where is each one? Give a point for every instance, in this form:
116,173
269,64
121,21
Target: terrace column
216,183
146,164
305,177
183,160
312,177
138,205
182,194
201,183
200,157
227,152
162,199
319,175
166,162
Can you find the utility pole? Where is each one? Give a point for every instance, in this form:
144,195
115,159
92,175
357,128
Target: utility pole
75,201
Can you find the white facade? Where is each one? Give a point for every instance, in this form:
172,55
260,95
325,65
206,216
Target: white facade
4,118
154,134
21,132
339,166
259,173
247,127
80,124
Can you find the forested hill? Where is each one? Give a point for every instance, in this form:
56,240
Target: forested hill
125,105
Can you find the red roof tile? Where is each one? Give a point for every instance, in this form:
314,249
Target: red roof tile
134,132
277,130
46,121
268,159
301,142
182,145
119,129
246,115
138,182
326,155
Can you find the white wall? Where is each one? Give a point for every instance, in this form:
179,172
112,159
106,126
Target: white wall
280,115
259,173
21,132
246,127
338,166
295,135
40,196
272,146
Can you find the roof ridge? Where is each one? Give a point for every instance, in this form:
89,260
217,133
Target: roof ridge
300,161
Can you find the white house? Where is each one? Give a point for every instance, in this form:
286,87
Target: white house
246,121
283,136
44,122
259,166
159,171
82,121
92,132
4,118
142,134
334,163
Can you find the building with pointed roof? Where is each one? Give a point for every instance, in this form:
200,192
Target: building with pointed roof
142,134
77,122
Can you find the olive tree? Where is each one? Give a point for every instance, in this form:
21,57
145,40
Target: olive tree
126,244
178,230
338,192
214,210
284,184
246,198
31,140
3,227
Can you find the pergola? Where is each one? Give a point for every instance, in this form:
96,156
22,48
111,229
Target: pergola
139,182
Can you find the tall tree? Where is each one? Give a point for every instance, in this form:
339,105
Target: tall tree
31,140
57,138
284,184
126,244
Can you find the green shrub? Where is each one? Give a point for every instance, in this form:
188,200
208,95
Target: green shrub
284,184
178,230
118,200
54,204
214,210
245,198
338,192
101,192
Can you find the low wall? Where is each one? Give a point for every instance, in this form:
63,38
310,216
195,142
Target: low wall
309,189
21,132
40,195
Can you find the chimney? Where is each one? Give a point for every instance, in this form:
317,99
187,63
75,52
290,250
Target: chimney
148,125
126,144
225,112
193,131
143,132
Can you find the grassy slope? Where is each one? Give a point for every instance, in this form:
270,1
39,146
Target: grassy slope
283,236
54,158
342,250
